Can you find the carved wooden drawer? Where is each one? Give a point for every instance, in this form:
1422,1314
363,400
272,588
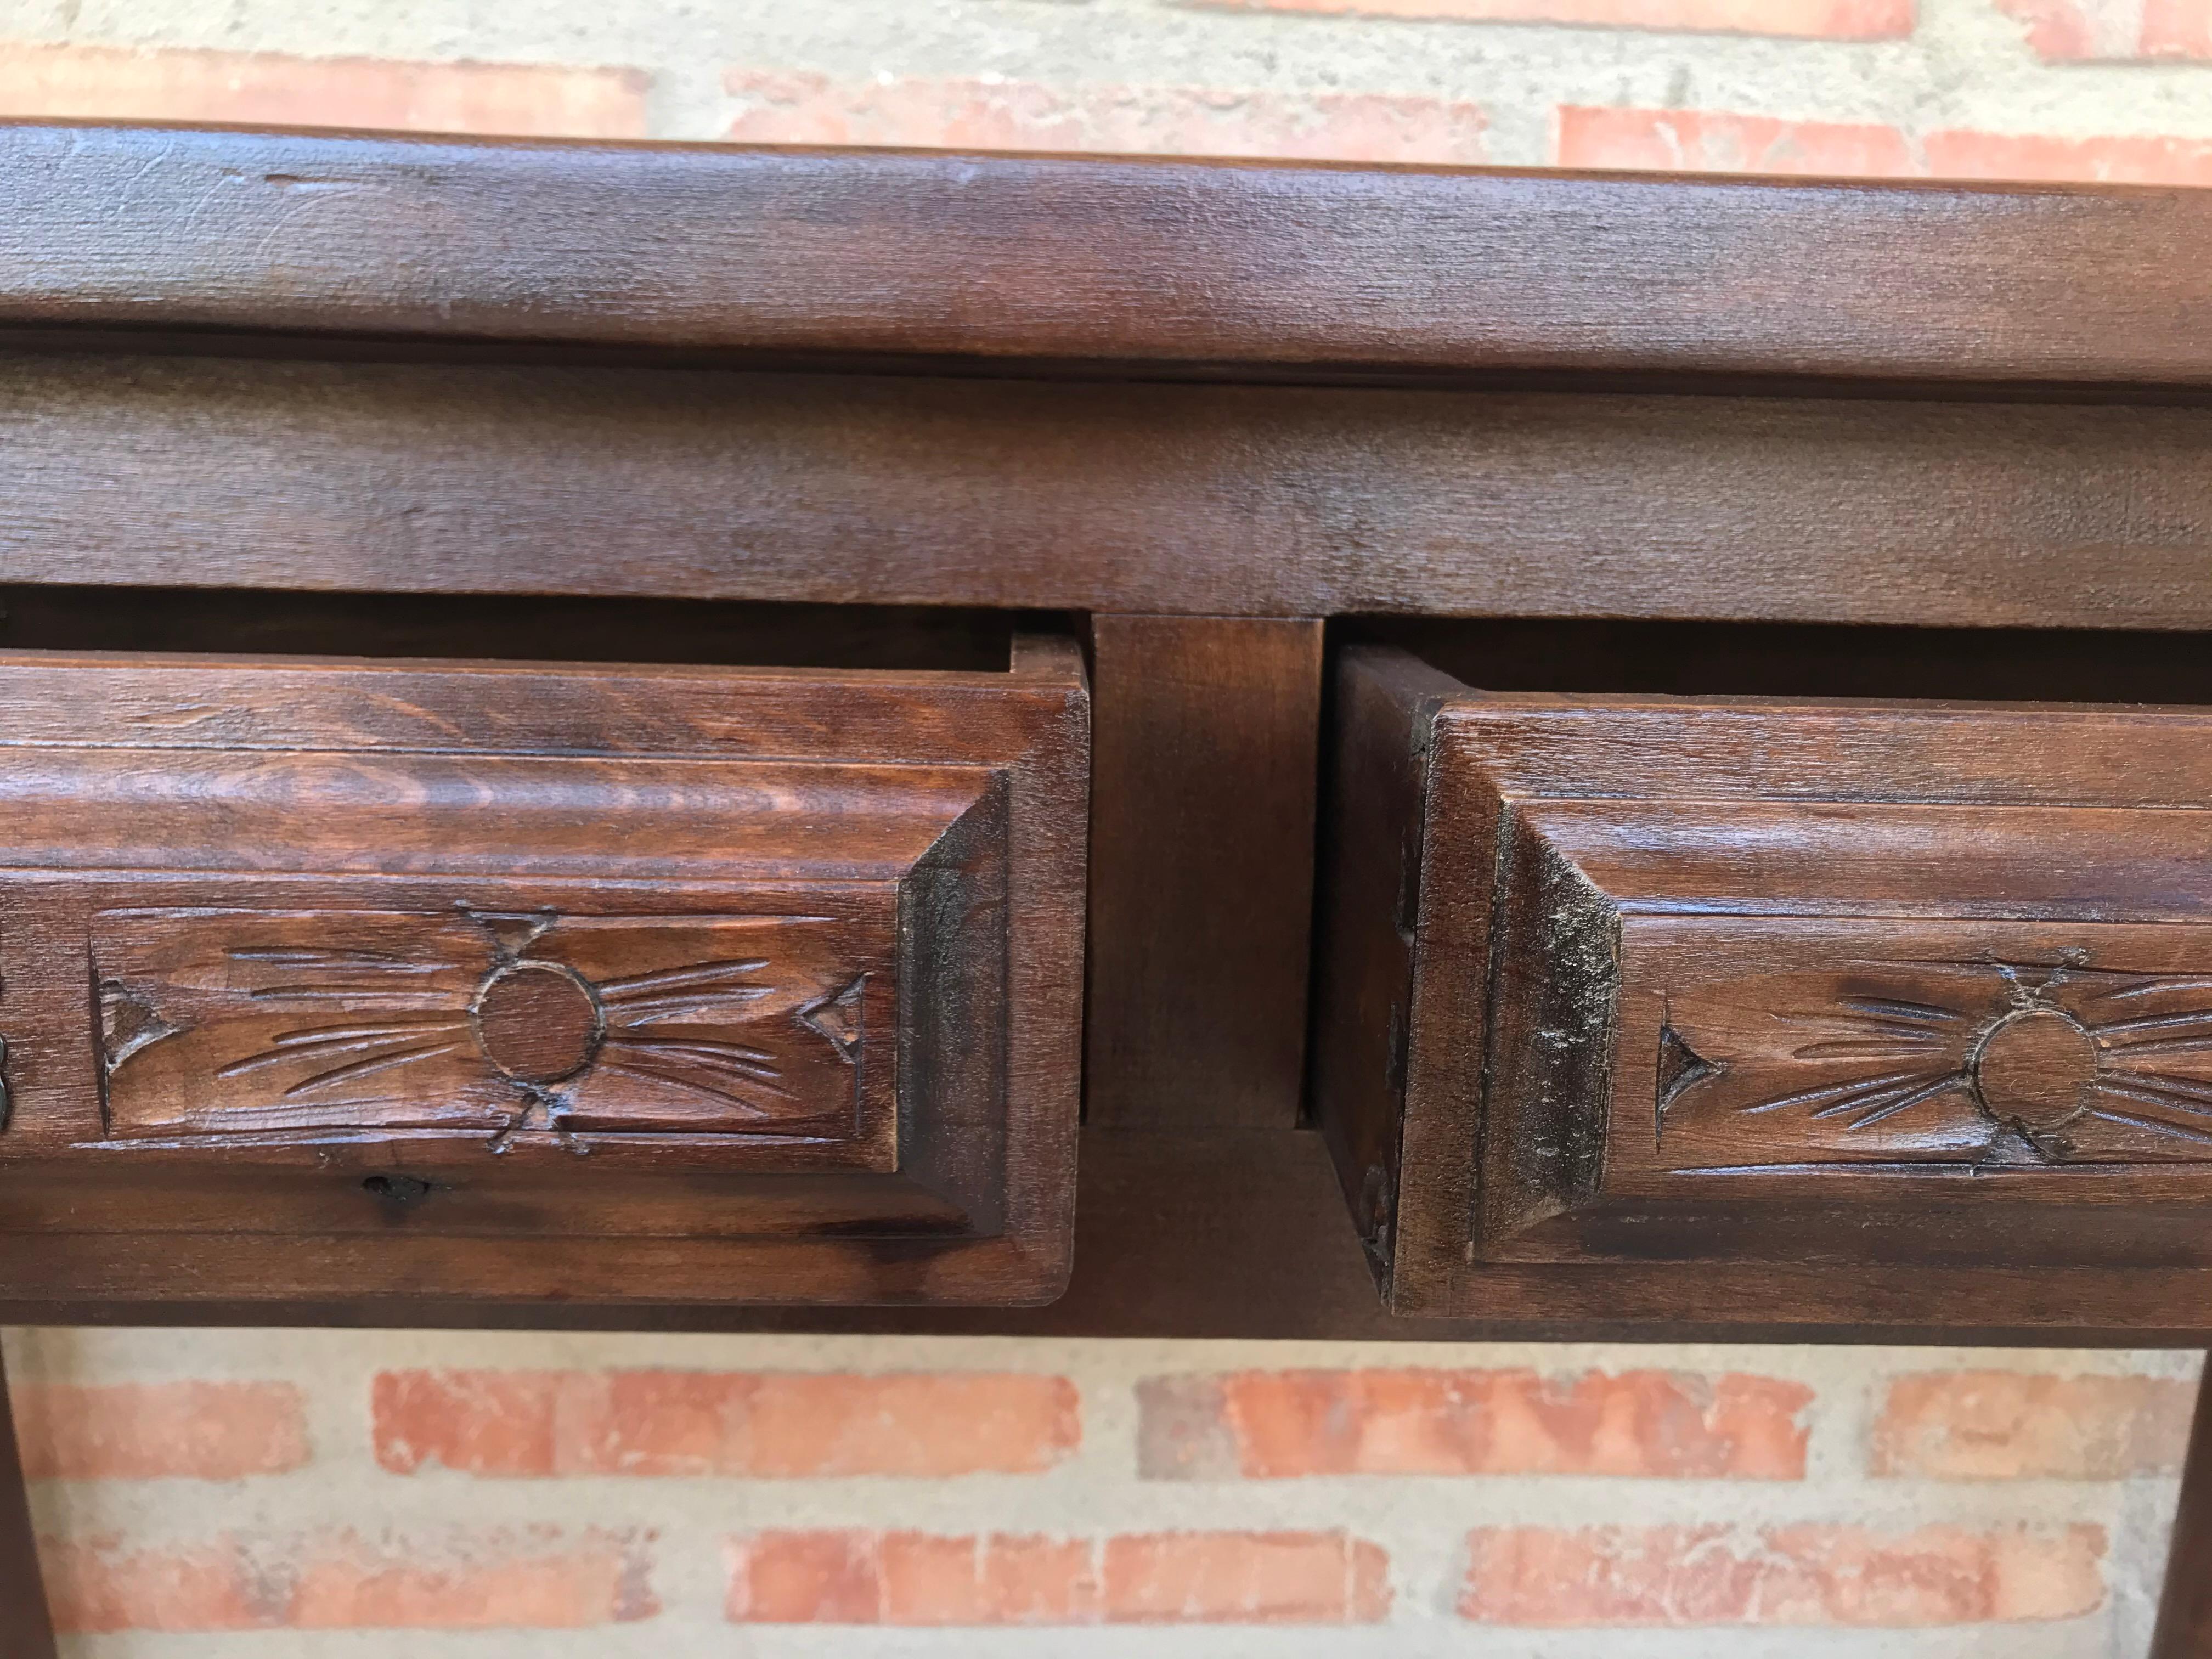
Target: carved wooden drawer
514,980
1873,988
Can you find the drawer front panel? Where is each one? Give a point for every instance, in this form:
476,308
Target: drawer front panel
1628,981
219,1024
1752,1044
801,1011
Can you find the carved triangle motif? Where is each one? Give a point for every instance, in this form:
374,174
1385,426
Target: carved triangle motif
1681,1067
836,1018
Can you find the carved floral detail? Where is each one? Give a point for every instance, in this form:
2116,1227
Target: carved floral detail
2012,1061
243,1022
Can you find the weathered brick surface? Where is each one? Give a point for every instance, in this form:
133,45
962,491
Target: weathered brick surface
2073,31
1257,1577
869,1577
539,1579
786,1424
2115,160
1784,1575
1823,19
276,89
1272,1425
150,1430
1997,1425
1689,141
997,114
1714,141
96,1583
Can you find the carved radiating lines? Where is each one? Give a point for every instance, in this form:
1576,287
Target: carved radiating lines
671,991
1922,1034
356,1049
737,1077
2037,1054
372,1044
2135,1058
280,1022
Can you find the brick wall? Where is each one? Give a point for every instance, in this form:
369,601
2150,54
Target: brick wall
2102,90
310,1492
255,1492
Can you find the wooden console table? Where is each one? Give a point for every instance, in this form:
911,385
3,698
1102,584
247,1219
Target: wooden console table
624,736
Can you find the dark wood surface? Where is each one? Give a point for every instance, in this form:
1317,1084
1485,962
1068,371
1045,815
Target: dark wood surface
1201,869
1221,1233
440,479
1239,267
1222,407
402,367
2184,1610
26,1631
1822,984
774,973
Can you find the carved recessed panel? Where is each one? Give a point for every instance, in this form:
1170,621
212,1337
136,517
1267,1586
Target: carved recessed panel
350,1023
1839,1041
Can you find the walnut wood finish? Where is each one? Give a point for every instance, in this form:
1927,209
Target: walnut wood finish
777,969
1201,870
2184,1612
1888,988
1211,404
25,1630
466,479
1188,1233
1242,269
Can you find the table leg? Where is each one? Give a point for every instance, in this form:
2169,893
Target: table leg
26,1631
2184,1607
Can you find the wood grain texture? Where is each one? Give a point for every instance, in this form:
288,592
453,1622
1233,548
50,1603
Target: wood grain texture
537,953
25,1630
1291,501
1647,979
1197,266
1201,1234
1881,1042
220,1023
2184,1609
1201,869
1370,880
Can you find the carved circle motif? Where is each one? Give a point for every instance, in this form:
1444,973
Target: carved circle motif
538,1021
2035,1068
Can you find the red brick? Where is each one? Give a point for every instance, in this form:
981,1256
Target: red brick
148,1430
1716,141
723,1422
1005,1579
95,1584
494,1581
944,1423
1998,1425
2121,161
806,1579
994,114
865,1578
1793,1575
339,1580
1275,1425
1245,1577
2177,28
912,1578
268,89
1823,19
2078,31
482,1422
1683,141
